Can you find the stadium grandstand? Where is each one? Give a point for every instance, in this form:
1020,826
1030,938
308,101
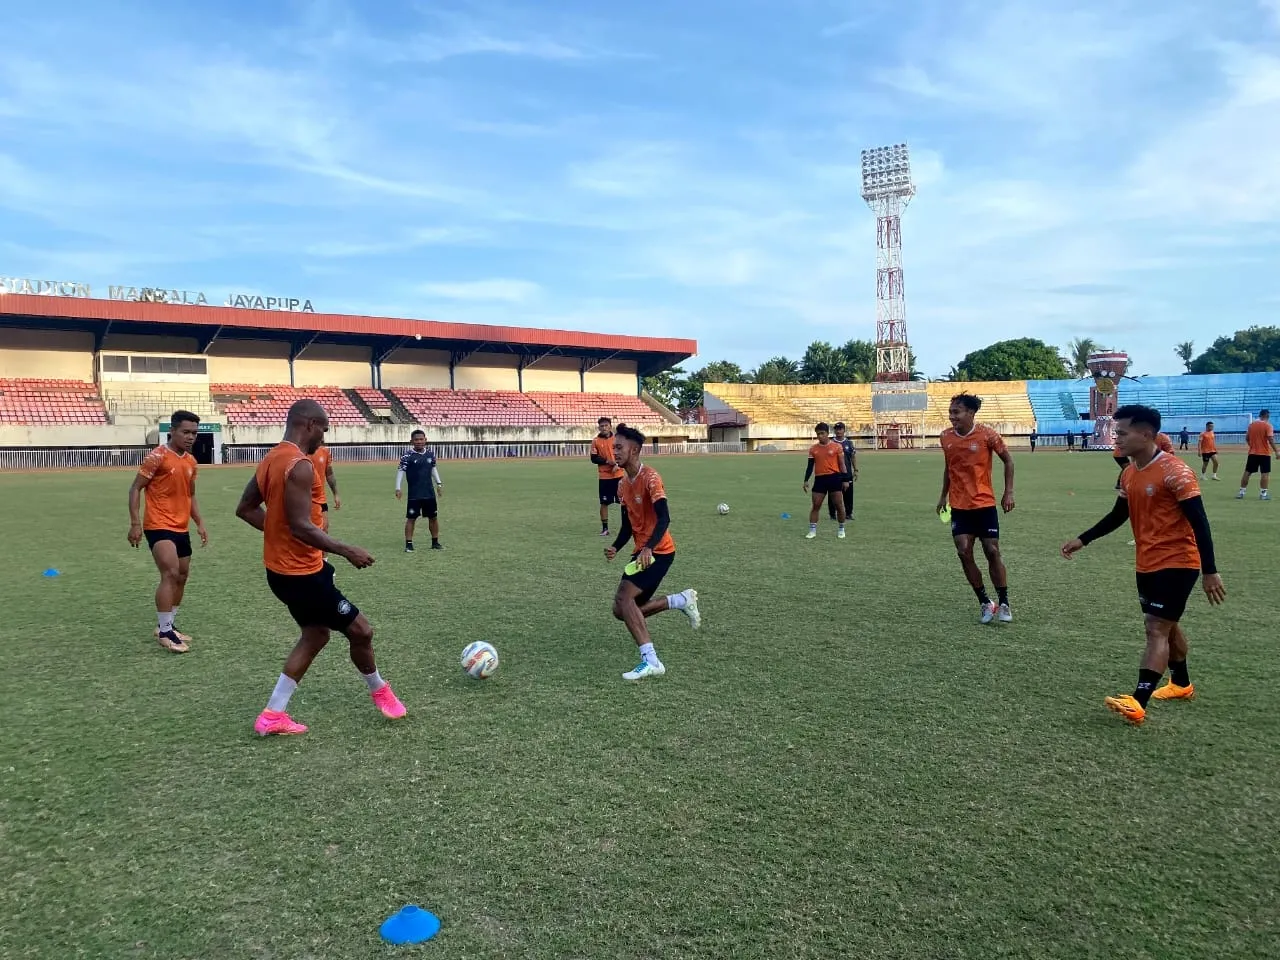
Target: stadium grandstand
91,375
782,417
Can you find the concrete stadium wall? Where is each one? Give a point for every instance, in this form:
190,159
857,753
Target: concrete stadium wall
73,435
413,367
46,354
486,372
141,344
325,365
555,375
612,376
399,433
249,361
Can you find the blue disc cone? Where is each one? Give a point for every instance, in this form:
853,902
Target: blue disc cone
51,572
786,516
411,925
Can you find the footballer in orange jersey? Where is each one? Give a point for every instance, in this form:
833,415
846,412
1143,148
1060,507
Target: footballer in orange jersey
608,471
830,472
167,479
1261,437
968,449
1160,498
646,519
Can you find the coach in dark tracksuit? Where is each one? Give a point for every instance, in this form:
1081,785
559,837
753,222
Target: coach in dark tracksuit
850,473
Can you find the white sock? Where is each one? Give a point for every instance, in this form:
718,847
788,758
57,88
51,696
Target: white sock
165,621
1243,491
650,655
279,701
813,526
374,680
842,525
677,601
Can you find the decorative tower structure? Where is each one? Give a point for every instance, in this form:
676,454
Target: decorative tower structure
1107,367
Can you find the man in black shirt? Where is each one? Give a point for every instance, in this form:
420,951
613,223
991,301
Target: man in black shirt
419,466
850,473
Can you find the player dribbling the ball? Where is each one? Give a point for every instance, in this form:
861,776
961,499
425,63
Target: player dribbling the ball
645,517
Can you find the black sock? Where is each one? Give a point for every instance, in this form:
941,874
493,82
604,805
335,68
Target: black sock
1003,594
1147,680
982,595
1178,673
604,525
408,543
435,539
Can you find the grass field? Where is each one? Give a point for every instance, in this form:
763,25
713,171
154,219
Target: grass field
842,763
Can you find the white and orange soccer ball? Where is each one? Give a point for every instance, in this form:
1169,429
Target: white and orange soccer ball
480,660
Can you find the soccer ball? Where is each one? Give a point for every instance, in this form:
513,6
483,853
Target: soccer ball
480,660
723,509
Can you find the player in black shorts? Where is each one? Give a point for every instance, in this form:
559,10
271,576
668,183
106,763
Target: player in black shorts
418,465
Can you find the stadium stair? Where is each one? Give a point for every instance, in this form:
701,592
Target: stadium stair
370,402
50,402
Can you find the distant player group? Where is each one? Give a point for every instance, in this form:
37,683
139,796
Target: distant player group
1158,495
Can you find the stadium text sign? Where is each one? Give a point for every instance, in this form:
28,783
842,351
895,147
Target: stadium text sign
243,301
47,288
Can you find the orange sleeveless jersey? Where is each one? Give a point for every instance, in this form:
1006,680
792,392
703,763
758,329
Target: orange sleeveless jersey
1259,436
320,460
282,552
638,496
1208,442
603,447
1162,531
1164,443
969,466
828,458
170,477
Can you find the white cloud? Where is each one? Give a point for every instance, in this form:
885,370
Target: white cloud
496,289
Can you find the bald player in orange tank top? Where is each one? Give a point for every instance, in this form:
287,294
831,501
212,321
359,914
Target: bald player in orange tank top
293,549
1160,498
322,463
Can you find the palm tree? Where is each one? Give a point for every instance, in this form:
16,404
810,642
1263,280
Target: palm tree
777,370
1078,351
1185,351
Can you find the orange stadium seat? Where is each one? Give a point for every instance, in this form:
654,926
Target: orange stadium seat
258,404
50,402
580,409
480,408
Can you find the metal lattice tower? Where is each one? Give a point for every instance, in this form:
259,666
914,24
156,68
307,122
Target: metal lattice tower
887,188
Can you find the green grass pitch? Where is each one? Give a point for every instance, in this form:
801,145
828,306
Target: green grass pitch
842,763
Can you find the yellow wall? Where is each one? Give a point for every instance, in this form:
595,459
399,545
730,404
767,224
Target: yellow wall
612,376
554,375
416,368
142,344
485,371
248,361
333,366
46,354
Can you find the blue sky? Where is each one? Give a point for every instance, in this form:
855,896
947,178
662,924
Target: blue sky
1108,168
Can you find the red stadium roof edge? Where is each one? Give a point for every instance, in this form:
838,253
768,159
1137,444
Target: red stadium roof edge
144,312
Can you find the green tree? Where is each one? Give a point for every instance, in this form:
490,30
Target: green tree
777,370
1078,351
719,371
823,363
860,361
1249,351
666,387
1022,359
1185,351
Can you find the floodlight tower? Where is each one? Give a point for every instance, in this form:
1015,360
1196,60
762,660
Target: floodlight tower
887,188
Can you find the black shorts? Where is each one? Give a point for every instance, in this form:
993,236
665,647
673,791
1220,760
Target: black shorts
181,540
1164,593
425,507
828,483
1121,462
1258,463
324,508
1206,457
983,523
313,599
650,578
609,490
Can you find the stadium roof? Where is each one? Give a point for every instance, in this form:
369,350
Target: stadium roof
207,323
